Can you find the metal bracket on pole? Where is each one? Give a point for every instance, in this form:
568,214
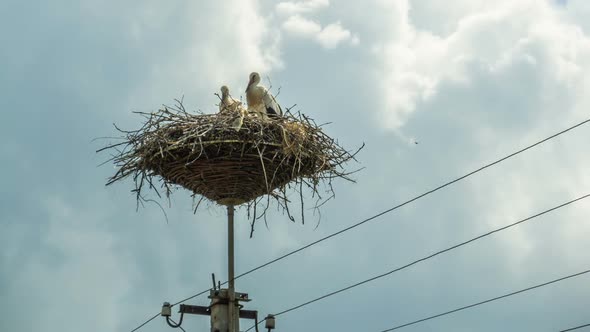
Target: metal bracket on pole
206,311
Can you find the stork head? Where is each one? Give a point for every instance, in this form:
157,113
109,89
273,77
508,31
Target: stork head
253,81
224,91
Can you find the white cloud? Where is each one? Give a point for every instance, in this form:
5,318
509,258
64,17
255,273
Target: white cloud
252,35
333,34
80,264
470,79
300,26
416,61
575,11
489,80
328,37
355,40
292,8
214,52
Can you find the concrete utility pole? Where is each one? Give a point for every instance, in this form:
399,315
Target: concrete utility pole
225,312
234,322
224,309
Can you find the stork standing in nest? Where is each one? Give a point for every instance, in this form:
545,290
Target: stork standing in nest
260,101
229,105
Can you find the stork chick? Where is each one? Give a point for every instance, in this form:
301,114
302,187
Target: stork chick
230,105
227,102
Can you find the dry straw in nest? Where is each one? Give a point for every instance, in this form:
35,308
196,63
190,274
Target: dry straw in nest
208,155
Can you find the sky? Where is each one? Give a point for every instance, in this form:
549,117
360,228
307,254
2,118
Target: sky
470,81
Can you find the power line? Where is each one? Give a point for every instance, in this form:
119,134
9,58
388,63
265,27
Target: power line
411,200
147,321
391,209
431,256
569,329
576,328
486,301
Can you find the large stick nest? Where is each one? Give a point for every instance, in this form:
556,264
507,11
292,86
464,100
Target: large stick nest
206,155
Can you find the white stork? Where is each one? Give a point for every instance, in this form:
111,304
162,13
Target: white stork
259,99
230,105
227,102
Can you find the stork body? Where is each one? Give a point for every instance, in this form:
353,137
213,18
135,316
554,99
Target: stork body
260,101
229,105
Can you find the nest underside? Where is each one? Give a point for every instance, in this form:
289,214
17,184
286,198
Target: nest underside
232,172
213,157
